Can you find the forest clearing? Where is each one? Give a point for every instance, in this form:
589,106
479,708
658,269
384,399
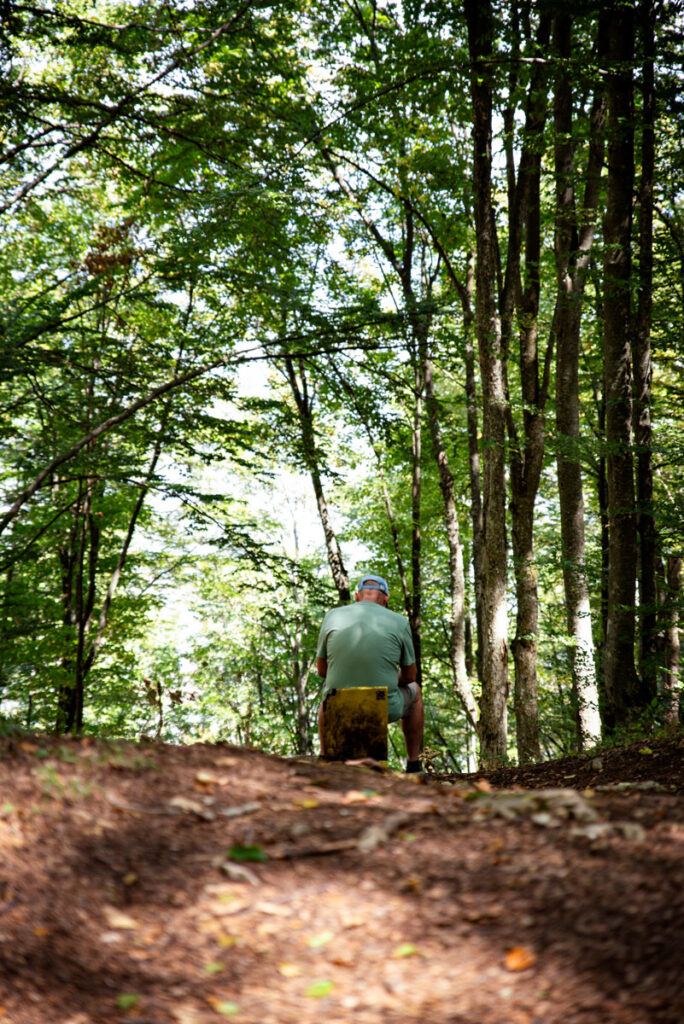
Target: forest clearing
155,884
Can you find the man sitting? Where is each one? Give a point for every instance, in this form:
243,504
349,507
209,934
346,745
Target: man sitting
366,644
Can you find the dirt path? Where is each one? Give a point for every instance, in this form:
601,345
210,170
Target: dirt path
186,885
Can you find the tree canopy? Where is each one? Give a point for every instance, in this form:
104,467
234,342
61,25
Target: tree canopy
291,292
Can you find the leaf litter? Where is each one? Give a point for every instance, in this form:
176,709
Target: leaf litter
380,899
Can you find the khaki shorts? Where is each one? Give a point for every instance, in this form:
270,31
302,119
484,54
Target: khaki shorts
410,693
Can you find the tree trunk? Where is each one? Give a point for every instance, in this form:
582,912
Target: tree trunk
416,539
525,641
389,508
623,690
573,244
493,721
526,456
671,676
643,371
457,644
476,517
299,388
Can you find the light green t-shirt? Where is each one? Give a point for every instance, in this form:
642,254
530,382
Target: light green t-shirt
364,645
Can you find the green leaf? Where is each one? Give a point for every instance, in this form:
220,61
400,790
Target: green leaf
127,1000
322,939
405,949
246,853
225,1007
214,968
320,989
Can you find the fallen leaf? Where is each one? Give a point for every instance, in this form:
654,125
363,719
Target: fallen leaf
319,989
322,939
242,853
353,921
289,970
127,1000
214,967
482,786
407,837
413,883
355,796
520,958
41,932
404,950
187,1013
223,1006
645,750
130,879
306,804
115,919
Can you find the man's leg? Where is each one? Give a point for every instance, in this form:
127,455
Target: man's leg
320,728
412,726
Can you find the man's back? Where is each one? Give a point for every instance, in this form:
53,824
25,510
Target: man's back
364,644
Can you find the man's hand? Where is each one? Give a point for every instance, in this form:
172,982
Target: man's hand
322,667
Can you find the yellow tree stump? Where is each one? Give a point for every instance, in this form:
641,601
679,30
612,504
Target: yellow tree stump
355,724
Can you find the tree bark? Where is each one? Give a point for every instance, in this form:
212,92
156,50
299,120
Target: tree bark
457,635
416,536
493,720
300,393
389,508
643,370
476,516
573,245
526,455
671,680
623,691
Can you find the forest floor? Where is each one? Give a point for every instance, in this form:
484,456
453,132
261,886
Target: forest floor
153,884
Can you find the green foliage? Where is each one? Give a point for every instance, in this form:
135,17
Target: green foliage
199,197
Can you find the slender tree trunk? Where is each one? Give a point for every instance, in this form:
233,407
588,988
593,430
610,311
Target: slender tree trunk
493,720
73,558
387,498
457,644
526,457
416,537
573,245
526,453
621,681
643,370
476,516
671,681
299,388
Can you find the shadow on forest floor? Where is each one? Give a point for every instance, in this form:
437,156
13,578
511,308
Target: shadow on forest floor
183,885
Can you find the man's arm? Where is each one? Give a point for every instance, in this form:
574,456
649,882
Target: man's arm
322,667
407,674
